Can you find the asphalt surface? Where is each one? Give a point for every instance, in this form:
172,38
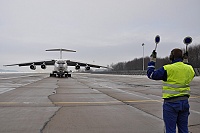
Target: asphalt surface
86,103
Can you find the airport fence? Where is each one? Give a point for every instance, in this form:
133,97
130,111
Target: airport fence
128,72
136,72
197,71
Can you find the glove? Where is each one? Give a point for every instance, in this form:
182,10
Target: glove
185,57
153,56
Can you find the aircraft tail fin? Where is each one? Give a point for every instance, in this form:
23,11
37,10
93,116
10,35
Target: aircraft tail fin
66,50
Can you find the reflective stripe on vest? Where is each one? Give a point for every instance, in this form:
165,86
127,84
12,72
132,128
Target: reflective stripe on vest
176,92
175,86
171,90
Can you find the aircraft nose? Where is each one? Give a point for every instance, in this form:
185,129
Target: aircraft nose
60,67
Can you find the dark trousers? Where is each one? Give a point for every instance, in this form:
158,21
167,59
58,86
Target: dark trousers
176,113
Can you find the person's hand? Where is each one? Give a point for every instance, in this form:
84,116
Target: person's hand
185,57
153,56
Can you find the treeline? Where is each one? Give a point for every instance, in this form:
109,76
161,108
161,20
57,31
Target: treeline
137,63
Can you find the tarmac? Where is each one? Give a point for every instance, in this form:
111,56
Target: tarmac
86,103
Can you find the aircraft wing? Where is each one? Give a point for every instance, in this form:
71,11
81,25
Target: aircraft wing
74,63
50,62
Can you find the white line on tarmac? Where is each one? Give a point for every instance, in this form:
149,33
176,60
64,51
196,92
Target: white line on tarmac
3,90
196,112
17,77
126,92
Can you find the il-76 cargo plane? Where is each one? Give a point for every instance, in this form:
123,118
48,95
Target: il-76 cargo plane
60,65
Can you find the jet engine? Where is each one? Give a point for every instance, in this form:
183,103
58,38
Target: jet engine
33,67
77,67
87,68
43,66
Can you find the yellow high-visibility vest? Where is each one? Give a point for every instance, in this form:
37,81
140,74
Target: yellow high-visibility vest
179,76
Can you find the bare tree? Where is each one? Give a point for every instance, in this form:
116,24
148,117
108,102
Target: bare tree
194,56
136,64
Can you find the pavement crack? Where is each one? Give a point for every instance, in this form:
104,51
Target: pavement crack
194,125
145,111
49,120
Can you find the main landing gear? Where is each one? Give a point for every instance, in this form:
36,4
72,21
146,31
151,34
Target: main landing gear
60,75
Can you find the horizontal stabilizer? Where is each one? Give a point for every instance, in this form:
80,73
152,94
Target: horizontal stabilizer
67,50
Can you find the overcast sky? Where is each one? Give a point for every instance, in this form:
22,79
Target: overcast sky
101,31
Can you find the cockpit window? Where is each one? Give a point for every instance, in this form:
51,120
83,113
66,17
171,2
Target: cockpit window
60,62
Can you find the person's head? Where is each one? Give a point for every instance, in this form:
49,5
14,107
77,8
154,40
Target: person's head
176,54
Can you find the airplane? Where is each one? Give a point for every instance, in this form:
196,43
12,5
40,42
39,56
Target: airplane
60,65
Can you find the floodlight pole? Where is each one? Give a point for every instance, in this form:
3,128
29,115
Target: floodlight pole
143,56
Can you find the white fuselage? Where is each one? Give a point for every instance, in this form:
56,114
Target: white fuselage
60,66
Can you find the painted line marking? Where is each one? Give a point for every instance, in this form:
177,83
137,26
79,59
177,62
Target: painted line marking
143,101
106,102
27,103
195,97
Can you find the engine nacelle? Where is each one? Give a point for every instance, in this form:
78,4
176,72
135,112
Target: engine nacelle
87,68
77,67
32,67
43,66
